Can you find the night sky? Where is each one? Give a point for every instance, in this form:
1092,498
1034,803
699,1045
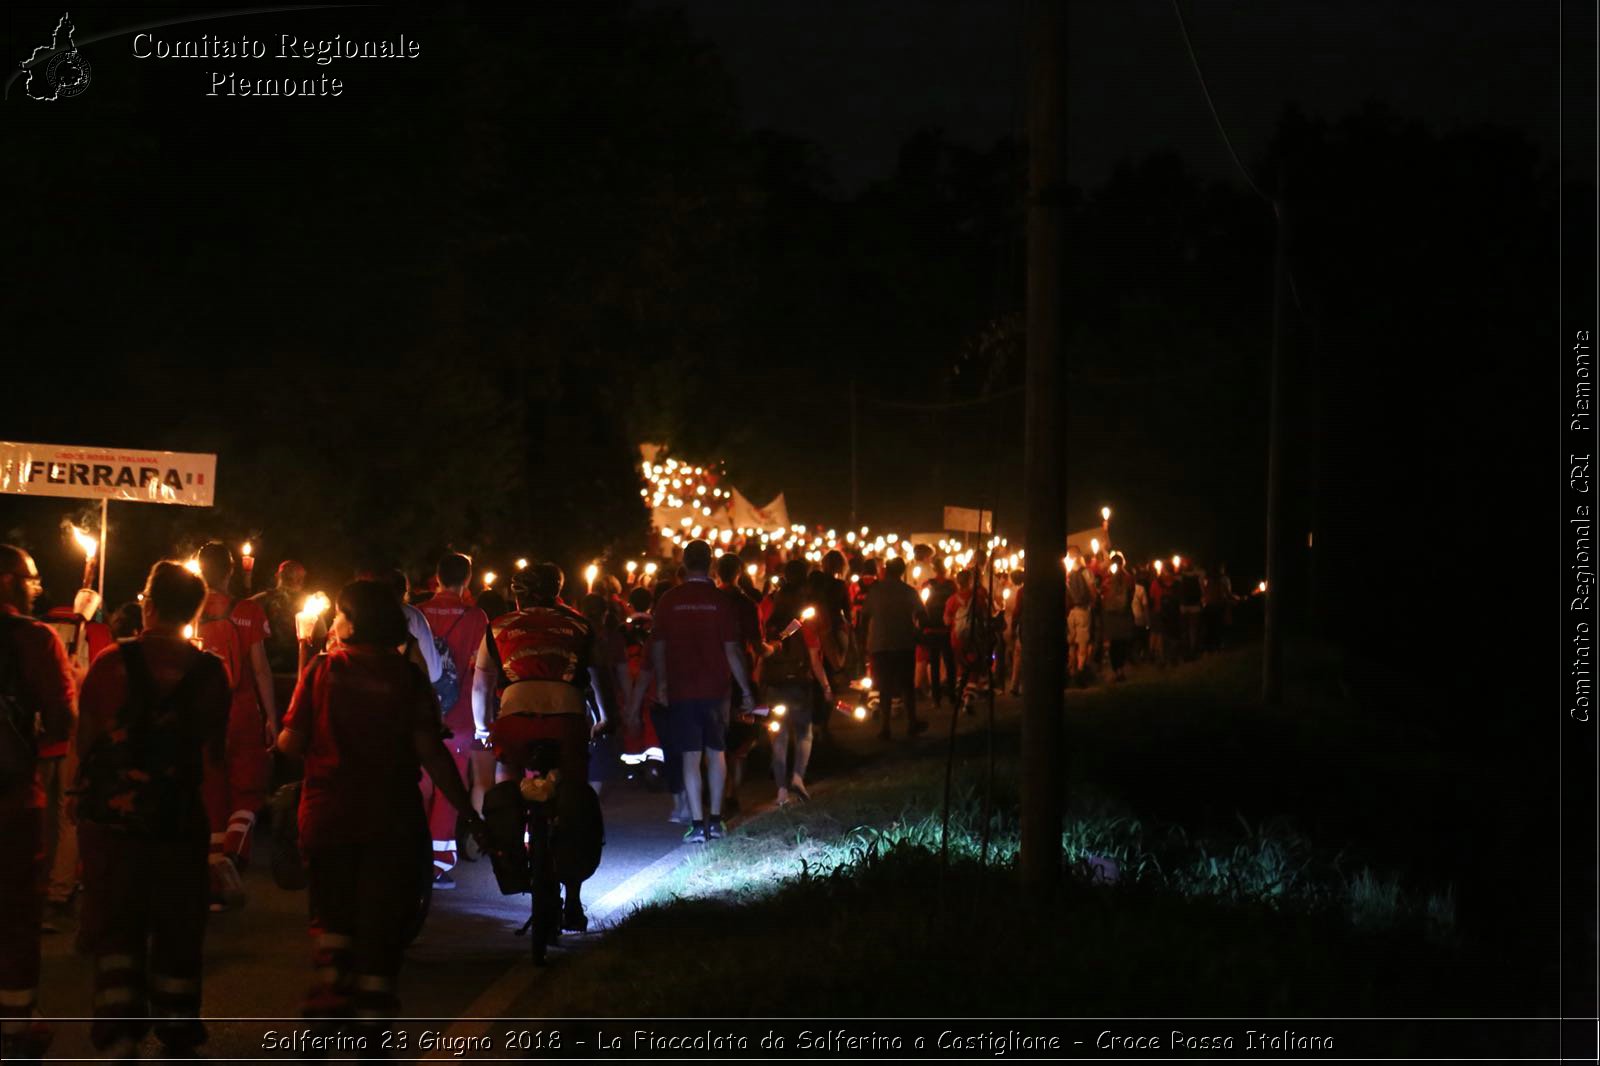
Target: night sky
858,77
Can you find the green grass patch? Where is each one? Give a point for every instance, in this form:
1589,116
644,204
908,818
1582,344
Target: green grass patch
893,933
1219,858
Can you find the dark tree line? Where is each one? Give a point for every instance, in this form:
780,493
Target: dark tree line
444,309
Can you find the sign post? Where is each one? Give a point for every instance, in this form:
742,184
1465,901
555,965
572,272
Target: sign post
968,520
105,518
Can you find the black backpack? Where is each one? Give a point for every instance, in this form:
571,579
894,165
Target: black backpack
791,662
138,777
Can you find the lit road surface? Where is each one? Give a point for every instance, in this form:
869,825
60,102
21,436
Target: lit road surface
258,958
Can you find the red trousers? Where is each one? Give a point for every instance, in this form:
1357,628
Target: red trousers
144,922
441,813
363,901
233,799
21,910
515,735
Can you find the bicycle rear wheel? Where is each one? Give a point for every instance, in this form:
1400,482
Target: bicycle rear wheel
545,927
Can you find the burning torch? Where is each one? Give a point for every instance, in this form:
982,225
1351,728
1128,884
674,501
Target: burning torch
794,624
91,549
305,623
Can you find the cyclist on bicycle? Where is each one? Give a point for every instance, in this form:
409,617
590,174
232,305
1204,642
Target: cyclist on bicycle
544,657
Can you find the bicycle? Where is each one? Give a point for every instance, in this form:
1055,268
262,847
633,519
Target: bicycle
531,852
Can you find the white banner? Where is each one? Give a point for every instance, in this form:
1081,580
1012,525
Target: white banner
1086,540
746,515
965,520
124,474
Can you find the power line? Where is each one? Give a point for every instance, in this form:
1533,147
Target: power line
1277,208
1206,92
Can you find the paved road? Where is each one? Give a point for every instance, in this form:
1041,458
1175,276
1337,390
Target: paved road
466,964
258,957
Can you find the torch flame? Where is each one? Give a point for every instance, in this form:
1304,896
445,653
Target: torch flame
247,549
809,613
311,610
193,566
1105,514
860,713
86,544
488,578
522,564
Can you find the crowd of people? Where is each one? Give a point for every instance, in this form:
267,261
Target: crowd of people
137,748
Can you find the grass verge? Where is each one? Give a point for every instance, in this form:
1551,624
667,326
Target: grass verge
1194,884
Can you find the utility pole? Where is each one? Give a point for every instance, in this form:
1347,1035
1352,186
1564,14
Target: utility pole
1044,601
1272,640
855,451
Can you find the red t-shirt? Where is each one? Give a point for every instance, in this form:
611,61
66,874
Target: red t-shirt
749,620
461,626
230,633
45,687
692,622
976,600
358,709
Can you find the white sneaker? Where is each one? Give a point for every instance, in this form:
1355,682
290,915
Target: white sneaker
227,887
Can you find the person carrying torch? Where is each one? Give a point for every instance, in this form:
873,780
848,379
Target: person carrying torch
237,633
793,675
892,616
84,640
41,712
280,603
